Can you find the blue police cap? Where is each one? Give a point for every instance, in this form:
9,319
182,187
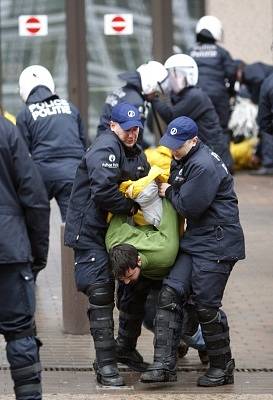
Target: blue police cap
126,115
178,132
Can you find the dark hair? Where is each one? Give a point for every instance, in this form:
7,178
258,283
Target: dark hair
205,37
122,257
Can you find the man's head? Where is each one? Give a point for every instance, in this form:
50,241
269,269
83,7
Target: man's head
125,123
125,262
180,136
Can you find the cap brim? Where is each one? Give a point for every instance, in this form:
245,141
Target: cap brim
131,124
171,142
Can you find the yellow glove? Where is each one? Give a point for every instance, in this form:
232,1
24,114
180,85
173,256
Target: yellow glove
133,188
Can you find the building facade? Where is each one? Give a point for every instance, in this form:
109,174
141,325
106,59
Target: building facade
248,33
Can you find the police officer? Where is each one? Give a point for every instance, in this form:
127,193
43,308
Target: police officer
148,78
53,131
113,158
188,99
264,119
253,75
201,189
24,226
217,70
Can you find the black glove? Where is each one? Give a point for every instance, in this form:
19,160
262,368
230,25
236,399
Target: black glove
37,266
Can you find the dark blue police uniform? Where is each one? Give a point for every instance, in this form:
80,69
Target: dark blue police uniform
95,193
265,122
193,102
213,240
202,191
217,72
54,134
253,76
24,226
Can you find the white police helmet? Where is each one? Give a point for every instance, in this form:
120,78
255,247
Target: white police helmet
154,77
211,24
33,76
183,71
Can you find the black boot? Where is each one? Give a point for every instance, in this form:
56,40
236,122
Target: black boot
168,325
108,375
218,376
131,304
127,354
216,336
102,329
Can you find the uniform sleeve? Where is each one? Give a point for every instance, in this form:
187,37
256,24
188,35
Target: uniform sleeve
265,116
33,199
104,170
196,194
22,126
187,106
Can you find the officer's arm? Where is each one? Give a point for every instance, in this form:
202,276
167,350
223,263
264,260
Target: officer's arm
33,199
104,171
230,66
264,117
196,194
22,126
185,106
164,109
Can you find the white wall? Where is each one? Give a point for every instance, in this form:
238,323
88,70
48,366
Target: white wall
248,27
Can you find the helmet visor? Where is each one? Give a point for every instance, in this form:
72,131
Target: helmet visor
164,85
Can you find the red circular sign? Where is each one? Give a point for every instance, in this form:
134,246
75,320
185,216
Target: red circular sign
118,23
33,25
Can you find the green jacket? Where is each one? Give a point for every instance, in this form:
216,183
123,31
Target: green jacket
157,248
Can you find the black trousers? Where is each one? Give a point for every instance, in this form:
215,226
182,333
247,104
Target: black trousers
17,307
205,280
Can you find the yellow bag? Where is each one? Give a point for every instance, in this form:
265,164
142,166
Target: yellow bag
242,153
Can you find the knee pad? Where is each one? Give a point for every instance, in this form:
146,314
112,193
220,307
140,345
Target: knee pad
25,367
29,372
213,321
101,294
169,299
208,315
31,331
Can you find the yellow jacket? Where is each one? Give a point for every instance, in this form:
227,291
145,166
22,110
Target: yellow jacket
160,156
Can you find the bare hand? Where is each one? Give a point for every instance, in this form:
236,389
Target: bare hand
162,187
